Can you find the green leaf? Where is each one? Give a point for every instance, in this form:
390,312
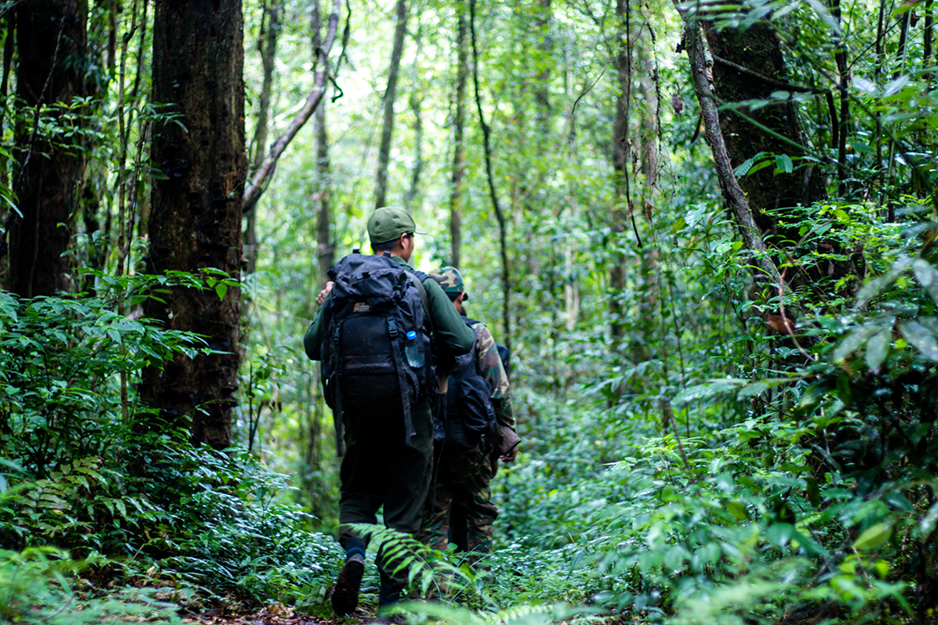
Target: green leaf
927,276
928,523
877,350
743,168
872,288
921,338
873,537
783,163
853,341
708,389
896,85
221,288
737,509
824,13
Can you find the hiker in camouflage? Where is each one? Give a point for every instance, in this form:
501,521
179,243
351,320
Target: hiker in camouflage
381,465
463,475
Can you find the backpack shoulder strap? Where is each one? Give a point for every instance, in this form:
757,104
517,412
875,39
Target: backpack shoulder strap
417,277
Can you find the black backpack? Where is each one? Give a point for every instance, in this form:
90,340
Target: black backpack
469,414
376,341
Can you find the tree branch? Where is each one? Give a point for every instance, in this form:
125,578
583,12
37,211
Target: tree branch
261,178
701,74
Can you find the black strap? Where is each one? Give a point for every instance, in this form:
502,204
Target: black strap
337,409
418,277
409,430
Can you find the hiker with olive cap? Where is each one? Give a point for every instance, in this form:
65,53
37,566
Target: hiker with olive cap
379,327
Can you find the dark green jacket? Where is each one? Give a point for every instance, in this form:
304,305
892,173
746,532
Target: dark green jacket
451,336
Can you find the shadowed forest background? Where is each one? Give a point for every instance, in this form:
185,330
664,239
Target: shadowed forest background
706,230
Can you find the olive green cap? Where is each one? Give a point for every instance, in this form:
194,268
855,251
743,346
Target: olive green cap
450,281
389,223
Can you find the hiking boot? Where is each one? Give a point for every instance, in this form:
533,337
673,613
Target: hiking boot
347,585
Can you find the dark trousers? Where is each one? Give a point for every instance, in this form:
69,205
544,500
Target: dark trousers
380,469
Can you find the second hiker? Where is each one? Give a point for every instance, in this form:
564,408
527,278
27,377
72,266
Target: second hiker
476,428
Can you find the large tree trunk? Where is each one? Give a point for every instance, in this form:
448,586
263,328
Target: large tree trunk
748,65
196,216
51,44
387,128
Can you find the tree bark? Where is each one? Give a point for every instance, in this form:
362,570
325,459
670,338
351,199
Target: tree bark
267,45
416,102
261,178
758,50
51,42
323,192
387,127
701,64
490,176
620,170
457,191
198,59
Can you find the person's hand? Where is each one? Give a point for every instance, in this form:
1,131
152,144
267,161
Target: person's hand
510,455
322,294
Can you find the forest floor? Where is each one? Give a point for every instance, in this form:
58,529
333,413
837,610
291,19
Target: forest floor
274,615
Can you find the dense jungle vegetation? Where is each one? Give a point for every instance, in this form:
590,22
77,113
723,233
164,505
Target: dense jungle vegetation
705,229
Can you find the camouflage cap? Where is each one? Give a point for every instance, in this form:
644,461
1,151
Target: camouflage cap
389,223
450,280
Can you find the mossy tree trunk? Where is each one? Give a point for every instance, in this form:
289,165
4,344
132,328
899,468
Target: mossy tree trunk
51,46
195,223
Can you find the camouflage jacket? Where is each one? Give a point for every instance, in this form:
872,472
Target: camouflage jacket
490,367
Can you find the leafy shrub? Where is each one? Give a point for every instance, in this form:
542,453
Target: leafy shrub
147,507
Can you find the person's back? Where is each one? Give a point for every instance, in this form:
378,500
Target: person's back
464,453
388,459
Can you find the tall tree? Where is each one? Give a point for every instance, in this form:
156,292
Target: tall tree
749,66
51,42
622,55
322,193
390,94
490,177
267,45
323,73
457,181
198,59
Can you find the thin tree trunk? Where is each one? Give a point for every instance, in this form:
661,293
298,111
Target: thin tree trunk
387,127
51,37
9,48
267,45
314,417
843,83
323,192
459,127
198,58
416,101
490,175
927,34
648,109
620,168
261,178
